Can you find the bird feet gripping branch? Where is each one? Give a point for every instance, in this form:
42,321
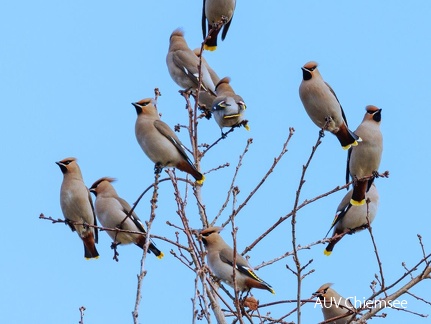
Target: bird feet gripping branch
158,168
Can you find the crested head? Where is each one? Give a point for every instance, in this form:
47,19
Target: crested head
224,85
177,40
311,66
177,32
98,184
210,230
68,164
321,292
210,234
373,113
68,160
308,70
145,106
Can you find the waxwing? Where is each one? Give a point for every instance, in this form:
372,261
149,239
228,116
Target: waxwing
334,305
349,217
323,107
220,261
159,142
77,206
213,11
228,107
364,159
112,211
183,65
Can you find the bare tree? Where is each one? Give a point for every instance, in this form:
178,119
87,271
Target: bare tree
211,299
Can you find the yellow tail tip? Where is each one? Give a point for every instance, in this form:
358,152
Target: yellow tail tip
326,252
348,146
92,258
247,127
273,291
210,48
160,256
357,203
201,181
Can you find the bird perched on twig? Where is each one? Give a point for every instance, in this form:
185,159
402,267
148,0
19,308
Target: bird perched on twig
228,108
323,107
215,12
364,160
334,305
351,217
113,212
159,142
77,206
220,260
183,65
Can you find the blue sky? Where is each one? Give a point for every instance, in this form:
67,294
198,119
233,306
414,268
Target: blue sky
68,73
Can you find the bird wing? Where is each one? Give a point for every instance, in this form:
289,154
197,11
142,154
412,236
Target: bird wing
349,153
226,28
184,61
204,21
339,216
240,264
166,131
188,63
133,217
96,232
342,111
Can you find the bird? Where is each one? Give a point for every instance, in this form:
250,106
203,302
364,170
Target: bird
228,107
77,206
183,64
215,12
349,217
220,261
323,107
206,98
364,159
159,142
334,305
112,212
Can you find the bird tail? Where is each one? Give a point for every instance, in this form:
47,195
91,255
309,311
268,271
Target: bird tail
211,43
329,248
159,254
358,195
347,138
152,248
188,167
90,251
258,283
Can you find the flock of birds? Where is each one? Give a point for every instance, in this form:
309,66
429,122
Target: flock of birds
216,96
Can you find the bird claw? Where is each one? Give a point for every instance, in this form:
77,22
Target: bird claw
322,133
376,174
158,168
